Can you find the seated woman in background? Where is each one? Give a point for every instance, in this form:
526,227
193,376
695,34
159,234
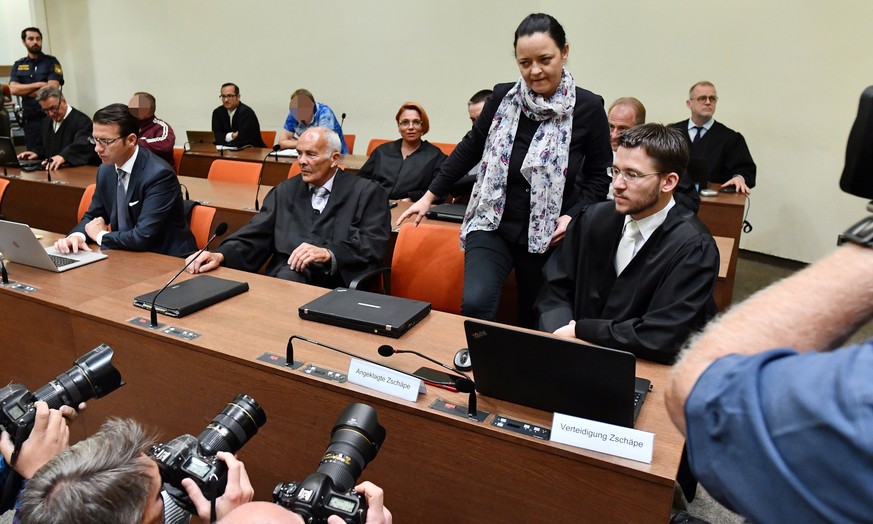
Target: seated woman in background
405,167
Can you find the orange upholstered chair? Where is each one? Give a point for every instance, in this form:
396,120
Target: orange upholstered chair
3,184
201,224
295,169
235,171
350,143
374,143
177,158
85,201
446,148
269,138
427,265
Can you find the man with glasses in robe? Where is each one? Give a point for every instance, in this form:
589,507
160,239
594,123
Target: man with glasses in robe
64,133
636,273
718,150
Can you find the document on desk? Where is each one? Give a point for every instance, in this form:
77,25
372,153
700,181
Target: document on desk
286,152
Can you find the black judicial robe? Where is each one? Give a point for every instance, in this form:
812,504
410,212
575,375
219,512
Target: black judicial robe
70,141
355,225
723,151
403,178
663,295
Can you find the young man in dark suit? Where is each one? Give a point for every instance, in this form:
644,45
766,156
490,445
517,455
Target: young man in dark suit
137,193
323,227
636,274
714,147
234,123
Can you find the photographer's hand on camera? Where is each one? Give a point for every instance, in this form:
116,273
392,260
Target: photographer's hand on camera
238,491
377,513
50,436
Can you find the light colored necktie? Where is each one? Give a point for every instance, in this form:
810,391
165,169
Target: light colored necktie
319,198
625,252
121,203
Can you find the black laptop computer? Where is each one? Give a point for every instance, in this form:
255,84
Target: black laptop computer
365,311
8,157
555,374
191,295
449,212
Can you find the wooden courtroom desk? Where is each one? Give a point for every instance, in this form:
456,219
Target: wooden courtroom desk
37,341
197,161
433,467
723,215
52,206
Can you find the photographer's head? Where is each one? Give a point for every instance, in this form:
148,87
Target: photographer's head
105,478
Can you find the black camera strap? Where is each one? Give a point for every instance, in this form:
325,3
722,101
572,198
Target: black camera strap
213,496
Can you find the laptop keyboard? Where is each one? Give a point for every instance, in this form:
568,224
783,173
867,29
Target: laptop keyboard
62,261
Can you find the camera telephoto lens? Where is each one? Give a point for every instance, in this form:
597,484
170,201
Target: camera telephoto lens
233,427
92,376
355,440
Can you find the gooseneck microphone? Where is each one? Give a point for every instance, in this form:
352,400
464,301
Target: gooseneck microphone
261,175
3,274
220,229
342,120
464,383
289,353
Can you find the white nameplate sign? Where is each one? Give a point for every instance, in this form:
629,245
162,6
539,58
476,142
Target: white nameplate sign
606,438
385,380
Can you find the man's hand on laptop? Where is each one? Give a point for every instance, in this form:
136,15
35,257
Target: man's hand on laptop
27,155
207,261
306,254
72,243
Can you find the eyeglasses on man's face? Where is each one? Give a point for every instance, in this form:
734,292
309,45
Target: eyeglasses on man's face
227,97
629,176
703,99
105,142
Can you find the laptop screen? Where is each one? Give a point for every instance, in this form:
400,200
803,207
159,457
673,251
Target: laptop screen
552,374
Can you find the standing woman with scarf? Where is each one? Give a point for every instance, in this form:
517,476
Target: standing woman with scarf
542,148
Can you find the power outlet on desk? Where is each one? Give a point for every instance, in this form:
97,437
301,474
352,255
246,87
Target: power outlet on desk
278,360
327,374
458,410
518,426
20,287
173,331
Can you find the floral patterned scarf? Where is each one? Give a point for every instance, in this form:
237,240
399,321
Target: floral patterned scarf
544,166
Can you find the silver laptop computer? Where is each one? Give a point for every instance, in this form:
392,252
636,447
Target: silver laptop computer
18,243
201,137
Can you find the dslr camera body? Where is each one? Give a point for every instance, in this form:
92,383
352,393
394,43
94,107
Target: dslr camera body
188,457
355,440
92,376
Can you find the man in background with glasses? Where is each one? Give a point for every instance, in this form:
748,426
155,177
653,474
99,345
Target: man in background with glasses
235,124
137,194
636,273
64,133
715,148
